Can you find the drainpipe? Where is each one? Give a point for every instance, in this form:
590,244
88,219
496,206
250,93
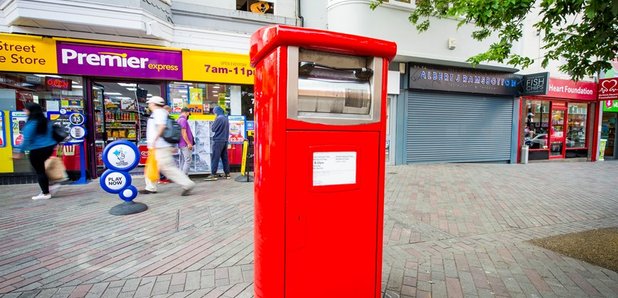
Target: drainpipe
299,14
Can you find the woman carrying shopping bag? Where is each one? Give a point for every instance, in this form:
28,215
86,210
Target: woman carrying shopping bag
38,139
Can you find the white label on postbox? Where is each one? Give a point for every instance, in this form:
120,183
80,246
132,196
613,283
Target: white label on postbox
334,168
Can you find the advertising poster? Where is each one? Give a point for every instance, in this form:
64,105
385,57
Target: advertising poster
177,104
2,131
202,148
196,109
178,97
237,129
71,104
18,120
196,96
128,104
200,162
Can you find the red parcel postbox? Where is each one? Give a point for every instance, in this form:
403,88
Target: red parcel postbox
319,162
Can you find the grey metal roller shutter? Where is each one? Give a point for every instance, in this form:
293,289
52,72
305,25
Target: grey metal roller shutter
458,128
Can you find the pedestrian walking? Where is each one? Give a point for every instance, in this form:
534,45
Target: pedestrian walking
163,150
186,143
162,178
221,133
38,139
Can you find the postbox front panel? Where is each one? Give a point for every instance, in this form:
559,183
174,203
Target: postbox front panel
331,227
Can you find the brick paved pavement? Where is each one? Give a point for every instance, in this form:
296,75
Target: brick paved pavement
455,230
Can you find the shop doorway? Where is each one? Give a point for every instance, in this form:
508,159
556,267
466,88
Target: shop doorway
557,139
119,112
608,133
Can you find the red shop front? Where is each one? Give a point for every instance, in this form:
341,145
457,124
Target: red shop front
560,124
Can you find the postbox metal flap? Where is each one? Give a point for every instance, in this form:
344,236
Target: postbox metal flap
332,88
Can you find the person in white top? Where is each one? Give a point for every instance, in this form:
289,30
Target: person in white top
163,150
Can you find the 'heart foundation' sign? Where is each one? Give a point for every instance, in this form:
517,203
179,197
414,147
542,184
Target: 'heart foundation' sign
608,89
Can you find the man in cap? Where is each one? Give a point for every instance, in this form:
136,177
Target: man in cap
220,136
163,150
186,140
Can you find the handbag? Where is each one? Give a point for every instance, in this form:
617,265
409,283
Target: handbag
55,170
58,133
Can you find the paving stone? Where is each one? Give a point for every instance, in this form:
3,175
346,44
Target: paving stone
47,293
131,285
449,229
63,292
193,280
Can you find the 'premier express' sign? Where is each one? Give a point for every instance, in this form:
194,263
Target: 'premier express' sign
110,61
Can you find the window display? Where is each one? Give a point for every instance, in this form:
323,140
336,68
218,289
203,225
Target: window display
557,132
54,93
200,98
120,112
536,124
576,128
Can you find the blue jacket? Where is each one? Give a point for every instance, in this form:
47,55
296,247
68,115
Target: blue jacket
221,127
32,140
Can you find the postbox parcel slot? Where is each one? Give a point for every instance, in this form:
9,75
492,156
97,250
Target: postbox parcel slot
333,86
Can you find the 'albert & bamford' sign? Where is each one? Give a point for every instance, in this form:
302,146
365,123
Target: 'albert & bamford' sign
430,77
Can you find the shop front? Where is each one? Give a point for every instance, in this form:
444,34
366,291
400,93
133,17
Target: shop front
459,115
608,94
560,123
109,84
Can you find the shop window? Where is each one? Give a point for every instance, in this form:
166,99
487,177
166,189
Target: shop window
259,7
576,125
536,124
201,98
121,111
52,92
247,101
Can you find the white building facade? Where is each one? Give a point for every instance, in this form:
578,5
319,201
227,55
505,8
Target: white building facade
79,56
448,111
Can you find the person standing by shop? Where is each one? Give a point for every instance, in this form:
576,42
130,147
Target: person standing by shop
186,141
155,128
221,133
38,139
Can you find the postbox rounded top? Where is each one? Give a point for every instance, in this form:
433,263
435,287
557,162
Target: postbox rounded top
266,39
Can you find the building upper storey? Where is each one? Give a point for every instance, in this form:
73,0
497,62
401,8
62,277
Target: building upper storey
218,25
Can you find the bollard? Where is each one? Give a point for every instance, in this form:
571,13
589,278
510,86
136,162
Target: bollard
244,174
524,154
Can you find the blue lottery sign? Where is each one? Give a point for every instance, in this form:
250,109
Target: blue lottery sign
120,157
77,118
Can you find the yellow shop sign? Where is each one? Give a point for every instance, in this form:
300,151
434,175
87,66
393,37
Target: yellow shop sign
216,67
27,53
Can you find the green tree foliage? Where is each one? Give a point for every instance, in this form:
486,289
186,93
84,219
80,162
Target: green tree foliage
582,32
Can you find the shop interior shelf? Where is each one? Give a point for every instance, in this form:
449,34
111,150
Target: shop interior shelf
122,121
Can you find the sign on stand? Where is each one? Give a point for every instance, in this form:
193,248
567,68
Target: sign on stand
119,158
